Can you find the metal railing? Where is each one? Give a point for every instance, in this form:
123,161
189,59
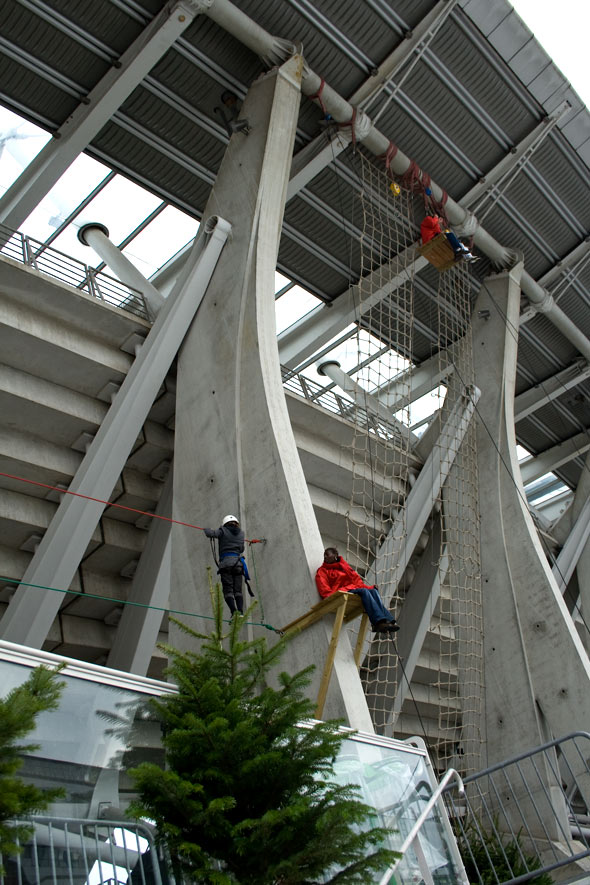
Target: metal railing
528,815
69,851
53,263
332,402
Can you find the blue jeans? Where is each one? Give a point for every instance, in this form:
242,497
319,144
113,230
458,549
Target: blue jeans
373,604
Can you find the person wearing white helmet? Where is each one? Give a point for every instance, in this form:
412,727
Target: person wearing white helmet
230,539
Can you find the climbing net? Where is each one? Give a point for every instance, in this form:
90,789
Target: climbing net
433,687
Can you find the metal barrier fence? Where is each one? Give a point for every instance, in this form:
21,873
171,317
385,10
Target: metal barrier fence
528,815
68,851
338,405
53,263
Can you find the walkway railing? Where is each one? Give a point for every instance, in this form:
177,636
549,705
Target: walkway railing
53,263
67,851
528,815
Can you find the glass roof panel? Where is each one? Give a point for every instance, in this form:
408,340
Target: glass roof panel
20,142
75,184
293,305
121,206
163,237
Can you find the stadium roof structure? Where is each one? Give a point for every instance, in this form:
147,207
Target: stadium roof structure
462,89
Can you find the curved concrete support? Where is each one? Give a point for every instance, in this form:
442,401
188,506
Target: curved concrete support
235,450
536,671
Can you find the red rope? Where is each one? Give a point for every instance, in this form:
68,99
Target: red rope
388,156
350,123
44,485
317,96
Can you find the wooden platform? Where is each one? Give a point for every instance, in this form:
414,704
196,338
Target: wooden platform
346,607
438,252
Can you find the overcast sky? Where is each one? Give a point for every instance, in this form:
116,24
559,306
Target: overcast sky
562,29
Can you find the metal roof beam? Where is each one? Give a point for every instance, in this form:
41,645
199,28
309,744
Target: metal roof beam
509,166
304,337
94,111
252,35
551,459
538,396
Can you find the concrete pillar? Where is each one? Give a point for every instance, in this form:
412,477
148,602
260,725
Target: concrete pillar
140,622
235,451
97,237
537,673
583,565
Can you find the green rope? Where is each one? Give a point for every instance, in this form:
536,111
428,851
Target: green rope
258,593
171,611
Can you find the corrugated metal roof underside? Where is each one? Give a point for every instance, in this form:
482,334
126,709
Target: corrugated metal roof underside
457,114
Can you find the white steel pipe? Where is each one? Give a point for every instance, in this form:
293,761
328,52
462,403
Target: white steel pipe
96,236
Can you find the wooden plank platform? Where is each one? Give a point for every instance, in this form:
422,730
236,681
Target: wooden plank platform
438,252
346,607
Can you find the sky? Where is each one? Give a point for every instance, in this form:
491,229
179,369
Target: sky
562,29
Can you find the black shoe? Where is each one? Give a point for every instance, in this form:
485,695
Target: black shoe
380,626
391,627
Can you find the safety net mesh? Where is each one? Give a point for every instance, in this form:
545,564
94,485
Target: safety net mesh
421,549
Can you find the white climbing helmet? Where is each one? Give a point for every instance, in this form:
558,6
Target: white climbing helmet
230,518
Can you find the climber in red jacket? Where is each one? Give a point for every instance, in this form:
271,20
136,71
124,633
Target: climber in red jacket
335,575
433,225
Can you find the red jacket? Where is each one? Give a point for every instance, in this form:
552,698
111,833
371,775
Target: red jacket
334,576
431,226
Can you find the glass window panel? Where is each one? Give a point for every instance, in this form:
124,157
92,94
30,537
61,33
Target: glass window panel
280,281
522,454
74,185
293,305
169,232
20,142
121,206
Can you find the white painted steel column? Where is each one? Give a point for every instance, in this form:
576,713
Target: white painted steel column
537,673
137,631
90,116
31,611
234,446
363,398
96,236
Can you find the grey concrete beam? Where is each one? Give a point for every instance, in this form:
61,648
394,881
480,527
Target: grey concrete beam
530,642
536,397
137,631
552,458
306,336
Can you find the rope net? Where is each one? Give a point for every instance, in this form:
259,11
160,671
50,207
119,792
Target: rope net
428,574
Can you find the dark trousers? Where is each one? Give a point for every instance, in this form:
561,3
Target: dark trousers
373,604
231,584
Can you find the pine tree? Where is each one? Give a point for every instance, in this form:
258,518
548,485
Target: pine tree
247,795
18,713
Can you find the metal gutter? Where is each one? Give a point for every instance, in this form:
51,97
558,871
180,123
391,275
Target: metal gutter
274,50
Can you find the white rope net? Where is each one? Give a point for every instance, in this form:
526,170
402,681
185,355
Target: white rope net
428,575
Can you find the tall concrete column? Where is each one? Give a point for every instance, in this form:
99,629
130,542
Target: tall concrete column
537,673
234,447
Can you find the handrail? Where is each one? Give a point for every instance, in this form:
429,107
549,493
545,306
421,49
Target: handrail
58,265
450,773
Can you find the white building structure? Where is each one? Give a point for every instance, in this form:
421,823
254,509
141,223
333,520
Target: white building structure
308,139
